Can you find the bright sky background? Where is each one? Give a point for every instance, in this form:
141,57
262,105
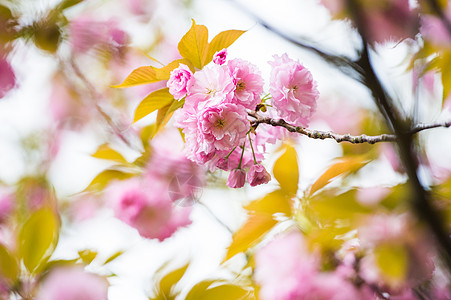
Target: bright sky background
205,241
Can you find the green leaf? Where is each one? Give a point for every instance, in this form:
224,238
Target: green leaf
152,102
106,152
87,256
38,238
193,45
392,260
8,264
222,40
343,166
141,75
286,170
102,179
168,282
274,202
250,233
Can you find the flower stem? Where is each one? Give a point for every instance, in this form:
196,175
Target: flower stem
252,148
241,158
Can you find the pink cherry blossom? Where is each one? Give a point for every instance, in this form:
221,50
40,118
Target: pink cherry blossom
293,90
258,175
220,57
215,128
179,80
147,207
210,86
72,283
249,83
237,179
7,77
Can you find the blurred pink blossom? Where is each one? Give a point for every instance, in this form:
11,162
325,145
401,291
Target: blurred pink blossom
248,83
87,33
390,20
7,204
340,115
237,179
258,175
7,77
372,195
284,268
293,90
220,57
179,80
72,283
433,29
147,207
169,165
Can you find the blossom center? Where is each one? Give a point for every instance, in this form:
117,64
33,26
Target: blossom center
240,86
220,123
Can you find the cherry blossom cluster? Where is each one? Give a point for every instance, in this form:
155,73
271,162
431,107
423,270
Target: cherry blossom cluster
215,120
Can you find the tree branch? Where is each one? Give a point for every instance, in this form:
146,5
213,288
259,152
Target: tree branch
339,138
420,202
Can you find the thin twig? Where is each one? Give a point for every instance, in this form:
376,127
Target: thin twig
94,95
339,138
343,63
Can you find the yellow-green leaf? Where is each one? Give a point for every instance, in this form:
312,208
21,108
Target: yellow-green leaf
113,257
193,44
141,75
250,233
392,260
102,179
87,256
168,282
165,72
8,264
286,170
222,40
199,289
106,152
165,113
343,166
152,102
446,74
274,202
38,238
330,206
224,292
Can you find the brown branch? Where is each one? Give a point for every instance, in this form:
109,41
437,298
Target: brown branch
339,138
421,199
